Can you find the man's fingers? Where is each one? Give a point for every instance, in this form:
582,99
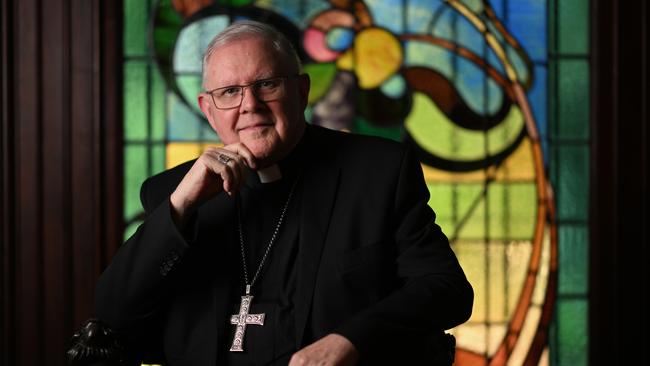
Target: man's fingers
242,151
226,165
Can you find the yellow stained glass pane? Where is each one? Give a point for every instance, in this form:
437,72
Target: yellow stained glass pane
180,152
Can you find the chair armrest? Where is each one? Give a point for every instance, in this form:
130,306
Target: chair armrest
95,344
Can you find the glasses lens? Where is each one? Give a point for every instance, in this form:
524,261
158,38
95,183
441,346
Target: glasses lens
270,89
264,90
229,97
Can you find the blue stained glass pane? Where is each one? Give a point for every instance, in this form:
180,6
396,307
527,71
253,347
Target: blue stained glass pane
427,55
471,83
193,40
495,62
537,97
474,5
468,36
518,63
419,14
388,14
492,28
394,87
190,127
297,11
500,9
443,24
527,22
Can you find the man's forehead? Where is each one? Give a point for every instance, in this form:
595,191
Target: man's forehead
243,61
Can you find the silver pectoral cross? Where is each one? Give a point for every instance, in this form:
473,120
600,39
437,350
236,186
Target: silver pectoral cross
241,320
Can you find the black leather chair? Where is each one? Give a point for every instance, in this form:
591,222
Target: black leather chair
95,344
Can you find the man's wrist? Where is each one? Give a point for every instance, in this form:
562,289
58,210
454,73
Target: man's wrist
180,211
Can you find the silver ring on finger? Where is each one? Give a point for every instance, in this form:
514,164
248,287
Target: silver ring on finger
223,159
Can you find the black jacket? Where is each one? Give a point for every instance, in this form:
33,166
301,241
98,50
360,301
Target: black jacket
372,264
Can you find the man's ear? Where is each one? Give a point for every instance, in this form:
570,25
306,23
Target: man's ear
304,84
205,103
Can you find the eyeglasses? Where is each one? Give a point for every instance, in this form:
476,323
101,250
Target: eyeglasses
265,90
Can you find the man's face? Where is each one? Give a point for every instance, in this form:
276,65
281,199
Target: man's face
269,129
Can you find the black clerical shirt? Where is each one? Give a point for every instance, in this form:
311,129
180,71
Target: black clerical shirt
274,290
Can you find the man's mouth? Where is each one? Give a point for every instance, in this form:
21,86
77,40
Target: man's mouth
255,126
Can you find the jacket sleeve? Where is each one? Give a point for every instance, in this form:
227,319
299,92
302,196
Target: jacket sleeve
131,291
434,294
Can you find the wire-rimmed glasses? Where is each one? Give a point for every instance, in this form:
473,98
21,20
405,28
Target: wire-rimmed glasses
265,90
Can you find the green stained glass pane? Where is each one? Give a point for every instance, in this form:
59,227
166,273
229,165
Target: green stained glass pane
168,23
496,263
552,26
452,203
509,214
136,14
366,128
512,210
158,158
552,111
573,337
189,86
518,253
136,170
130,230
573,99
573,27
573,254
157,107
572,184
321,76
183,124
135,101
472,256
234,2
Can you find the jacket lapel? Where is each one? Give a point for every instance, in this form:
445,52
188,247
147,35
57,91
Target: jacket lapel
320,185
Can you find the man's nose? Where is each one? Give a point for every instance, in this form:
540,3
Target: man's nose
249,101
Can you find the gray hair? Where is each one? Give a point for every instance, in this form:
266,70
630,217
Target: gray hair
250,28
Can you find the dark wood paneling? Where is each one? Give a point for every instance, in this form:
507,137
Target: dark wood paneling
7,161
61,198
86,174
28,210
619,235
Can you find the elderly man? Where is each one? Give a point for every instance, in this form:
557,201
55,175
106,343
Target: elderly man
291,244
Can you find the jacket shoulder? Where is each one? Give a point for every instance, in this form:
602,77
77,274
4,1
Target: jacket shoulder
158,187
350,144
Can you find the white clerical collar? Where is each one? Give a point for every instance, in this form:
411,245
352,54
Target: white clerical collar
270,174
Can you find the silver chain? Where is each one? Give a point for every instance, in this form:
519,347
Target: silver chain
268,247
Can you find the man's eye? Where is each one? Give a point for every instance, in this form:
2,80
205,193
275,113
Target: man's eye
268,84
230,92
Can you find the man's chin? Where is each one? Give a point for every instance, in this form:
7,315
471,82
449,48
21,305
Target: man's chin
264,154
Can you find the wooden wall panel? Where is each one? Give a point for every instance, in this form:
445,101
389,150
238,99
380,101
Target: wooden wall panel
61,191
620,184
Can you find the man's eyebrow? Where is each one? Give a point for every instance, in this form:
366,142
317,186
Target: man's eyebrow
256,79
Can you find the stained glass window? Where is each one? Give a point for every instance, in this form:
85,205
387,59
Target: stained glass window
492,95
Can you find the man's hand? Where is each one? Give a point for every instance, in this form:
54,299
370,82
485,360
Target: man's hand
215,171
331,350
